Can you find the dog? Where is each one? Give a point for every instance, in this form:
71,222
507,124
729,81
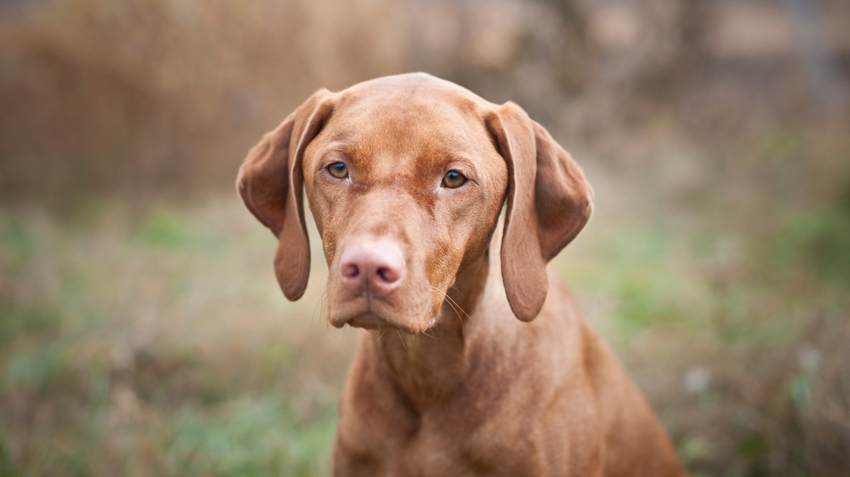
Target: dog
476,360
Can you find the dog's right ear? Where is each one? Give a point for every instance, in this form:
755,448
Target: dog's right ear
270,182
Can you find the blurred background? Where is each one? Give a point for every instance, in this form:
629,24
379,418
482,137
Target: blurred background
141,328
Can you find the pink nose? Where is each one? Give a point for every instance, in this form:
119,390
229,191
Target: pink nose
374,266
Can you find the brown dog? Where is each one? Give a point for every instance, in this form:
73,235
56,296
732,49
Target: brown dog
406,177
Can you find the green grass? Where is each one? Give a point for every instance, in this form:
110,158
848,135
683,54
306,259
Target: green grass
158,345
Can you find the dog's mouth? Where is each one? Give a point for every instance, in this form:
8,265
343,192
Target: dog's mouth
374,322
370,320
376,315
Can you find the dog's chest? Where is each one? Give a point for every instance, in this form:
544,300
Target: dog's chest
440,445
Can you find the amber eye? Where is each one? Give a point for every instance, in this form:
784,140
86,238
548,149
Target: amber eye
454,179
338,170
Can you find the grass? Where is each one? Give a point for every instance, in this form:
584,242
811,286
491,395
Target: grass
154,341
146,345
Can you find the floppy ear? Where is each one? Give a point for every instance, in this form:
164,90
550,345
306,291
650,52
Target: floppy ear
270,182
548,203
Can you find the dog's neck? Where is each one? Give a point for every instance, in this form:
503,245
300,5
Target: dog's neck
430,367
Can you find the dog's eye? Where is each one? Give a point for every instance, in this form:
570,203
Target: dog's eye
338,170
454,179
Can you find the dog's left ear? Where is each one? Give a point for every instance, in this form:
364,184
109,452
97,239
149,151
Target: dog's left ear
548,203
270,182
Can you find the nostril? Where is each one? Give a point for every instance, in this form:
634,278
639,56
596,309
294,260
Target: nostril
350,270
388,274
375,268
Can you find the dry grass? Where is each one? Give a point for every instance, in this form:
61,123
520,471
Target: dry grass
160,345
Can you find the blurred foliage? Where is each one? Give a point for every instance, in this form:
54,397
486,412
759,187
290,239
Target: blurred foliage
131,367
142,331
167,230
150,96
820,238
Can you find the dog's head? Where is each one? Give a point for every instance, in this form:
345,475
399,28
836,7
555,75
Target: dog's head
406,176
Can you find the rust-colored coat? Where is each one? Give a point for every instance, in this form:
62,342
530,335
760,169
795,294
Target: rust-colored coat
448,382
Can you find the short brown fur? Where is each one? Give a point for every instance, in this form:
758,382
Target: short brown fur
466,389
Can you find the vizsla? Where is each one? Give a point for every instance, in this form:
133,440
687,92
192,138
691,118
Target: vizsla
477,361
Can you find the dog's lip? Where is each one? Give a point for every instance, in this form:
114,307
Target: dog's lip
360,312
372,321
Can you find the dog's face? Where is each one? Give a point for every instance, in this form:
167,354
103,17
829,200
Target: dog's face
406,190
405,177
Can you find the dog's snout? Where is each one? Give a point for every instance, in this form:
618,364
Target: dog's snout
374,267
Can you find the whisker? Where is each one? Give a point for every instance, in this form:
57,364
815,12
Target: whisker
445,295
455,306
379,337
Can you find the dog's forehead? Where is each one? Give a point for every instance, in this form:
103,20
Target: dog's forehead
407,89
426,119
